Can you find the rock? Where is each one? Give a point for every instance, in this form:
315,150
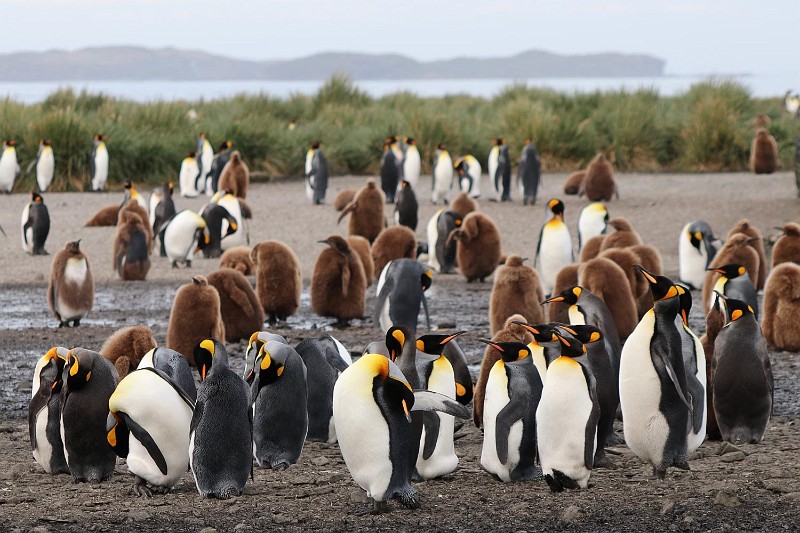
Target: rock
733,457
726,448
138,515
357,496
281,518
241,527
726,500
775,485
794,496
519,507
571,514
39,529
320,460
667,506
336,477
208,530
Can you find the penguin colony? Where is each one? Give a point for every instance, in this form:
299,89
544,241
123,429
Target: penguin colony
549,391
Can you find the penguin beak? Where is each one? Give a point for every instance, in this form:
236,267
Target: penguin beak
553,299
527,327
492,344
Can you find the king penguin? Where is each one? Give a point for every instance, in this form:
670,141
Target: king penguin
529,173
494,156
9,167
412,163
592,221
35,225
694,360
469,175
401,290
442,175
407,207
188,176
44,411
734,282
183,236
441,250
316,174
554,250
390,174
45,164
697,247
257,340
98,164
205,156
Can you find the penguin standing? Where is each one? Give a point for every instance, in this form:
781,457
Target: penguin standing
405,210
131,257
653,392
183,236
98,164
734,282
9,167
188,176
694,361
389,172
367,217
715,320
316,174
239,306
492,164
338,282
469,175
599,182
221,430
214,215
235,176
279,279
742,376
45,163
442,174
217,166
513,391
70,293
787,247
479,249
126,347
554,249
782,307
205,156
516,289
148,425
529,173
697,247
89,381
279,396
763,153
371,405
502,176
401,290
608,281
441,250
737,250
592,221
412,163
162,209
395,242
35,225
44,411
566,420
195,315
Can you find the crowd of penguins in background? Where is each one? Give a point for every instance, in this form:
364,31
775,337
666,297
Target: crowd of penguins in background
574,343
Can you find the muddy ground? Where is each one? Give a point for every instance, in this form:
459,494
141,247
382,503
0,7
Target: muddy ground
757,489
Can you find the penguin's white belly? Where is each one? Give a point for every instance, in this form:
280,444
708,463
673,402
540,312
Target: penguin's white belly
576,318
539,361
188,174
27,235
476,172
310,188
496,399
564,409
155,199
44,450
63,439
691,262
8,170
696,439
206,158
555,253
589,227
331,432
444,459
100,169
45,169
179,237
239,237
75,272
411,167
433,237
492,168
442,178
645,427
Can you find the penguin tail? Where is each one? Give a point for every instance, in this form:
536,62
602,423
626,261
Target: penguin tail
558,481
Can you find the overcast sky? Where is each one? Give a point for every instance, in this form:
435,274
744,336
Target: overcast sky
696,37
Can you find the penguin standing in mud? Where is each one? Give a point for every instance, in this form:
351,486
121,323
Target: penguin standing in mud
45,163
188,176
9,167
279,396
183,236
554,249
469,173
240,309
412,163
195,315
35,225
389,172
44,411
442,250
787,247
479,248
442,175
279,279
592,221
653,392
70,293
401,290
98,164
338,282
697,247
221,430
89,381
516,289
205,157
782,307
529,173
406,208
316,174
371,405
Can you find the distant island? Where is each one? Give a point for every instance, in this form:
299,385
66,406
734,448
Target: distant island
130,63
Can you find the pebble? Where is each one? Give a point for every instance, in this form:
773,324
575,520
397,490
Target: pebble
357,496
733,457
280,519
726,500
208,530
520,506
571,514
39,529
320,460
726,448
138,515
775,485
667,506
240,527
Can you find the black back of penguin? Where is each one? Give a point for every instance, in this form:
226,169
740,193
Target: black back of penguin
39,222
176,367
402,288
446,252
407,207
524,390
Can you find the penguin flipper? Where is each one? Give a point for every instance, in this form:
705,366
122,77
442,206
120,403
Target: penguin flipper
507,417
27,225
199,407
431,422
383,293
538,245
332,354
38,403
427,315
425,400
147,441
673,376
590,437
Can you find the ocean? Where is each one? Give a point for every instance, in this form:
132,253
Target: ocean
760,85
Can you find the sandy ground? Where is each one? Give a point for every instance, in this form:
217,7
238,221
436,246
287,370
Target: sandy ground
754,490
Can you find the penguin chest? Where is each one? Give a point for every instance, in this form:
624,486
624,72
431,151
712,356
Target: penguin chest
443,174
590,226
75,272
576,318
555,251
433,238
45,168
188,175
27,234
412,166
497,397
443,460
692,263
8,168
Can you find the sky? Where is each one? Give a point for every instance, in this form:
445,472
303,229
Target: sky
698,37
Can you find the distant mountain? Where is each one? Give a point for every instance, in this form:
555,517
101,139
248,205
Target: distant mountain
135,63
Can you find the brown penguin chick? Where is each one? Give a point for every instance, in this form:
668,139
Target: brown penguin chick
366,212
131,258
517,290
238,258
566,278
70,293
235,176
132,206
279,279
591,248
606,280
763,153
106,216
395,242
361,246
757,243
478,250
195,316
463,204
639,285
598,184
338,283
715,320
782,307
737,250
126,347
510,333
574,182
343,198
241,310
787,247
623,237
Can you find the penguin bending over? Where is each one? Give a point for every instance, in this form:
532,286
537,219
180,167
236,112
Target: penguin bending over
35,225
469,175
257,340
697,247
401,290
478,250
44,411
183,236
214,215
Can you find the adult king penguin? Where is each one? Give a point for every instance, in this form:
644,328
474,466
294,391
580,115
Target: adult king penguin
592,221
469,175
442,250
183,236
442,175
412,163
401,290
735,283
188,177
389,171
45,164
98,164
35,225
554,250
697,247
205,156
406,208
694,360
9,167
44,411
529,173
316,174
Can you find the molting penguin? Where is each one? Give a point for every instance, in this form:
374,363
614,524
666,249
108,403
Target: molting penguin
469,173
742,376
516,289
367,217
188,176
35,225
363,250
763,153
70,293
338,282
623,236
442,174
9,167
441,251
478,249
529,172
554,249
89,381
98,164
205,157
697,247
183,236
45,163
463,204
279,279
599,182
405,210
756,242
239,306
734,282
787,247
238,258
592,221
574,182
401,290
221,430
44,411
389,172
782,307
130,254
279,396
395,242
653,392
412,163
195,315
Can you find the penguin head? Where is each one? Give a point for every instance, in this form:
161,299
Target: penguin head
568,296
202,135
434,343
411,141
570,346
128,184
695,235
585,334
36,197
338,244
191,155
542,333
791,229
426,279
685,299
74,248
118,433
78,368
51,367
396,388
734,309
169,188
509,351
730,271
396,338
441,146
47,142
661,287
315,145
269,367
207,353
405,184
225,145
556,207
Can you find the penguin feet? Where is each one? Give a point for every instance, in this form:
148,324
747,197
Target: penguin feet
408,498
660,473
227,493
63,325
140,487
76,322
188,264
174,264
376,508
279,465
